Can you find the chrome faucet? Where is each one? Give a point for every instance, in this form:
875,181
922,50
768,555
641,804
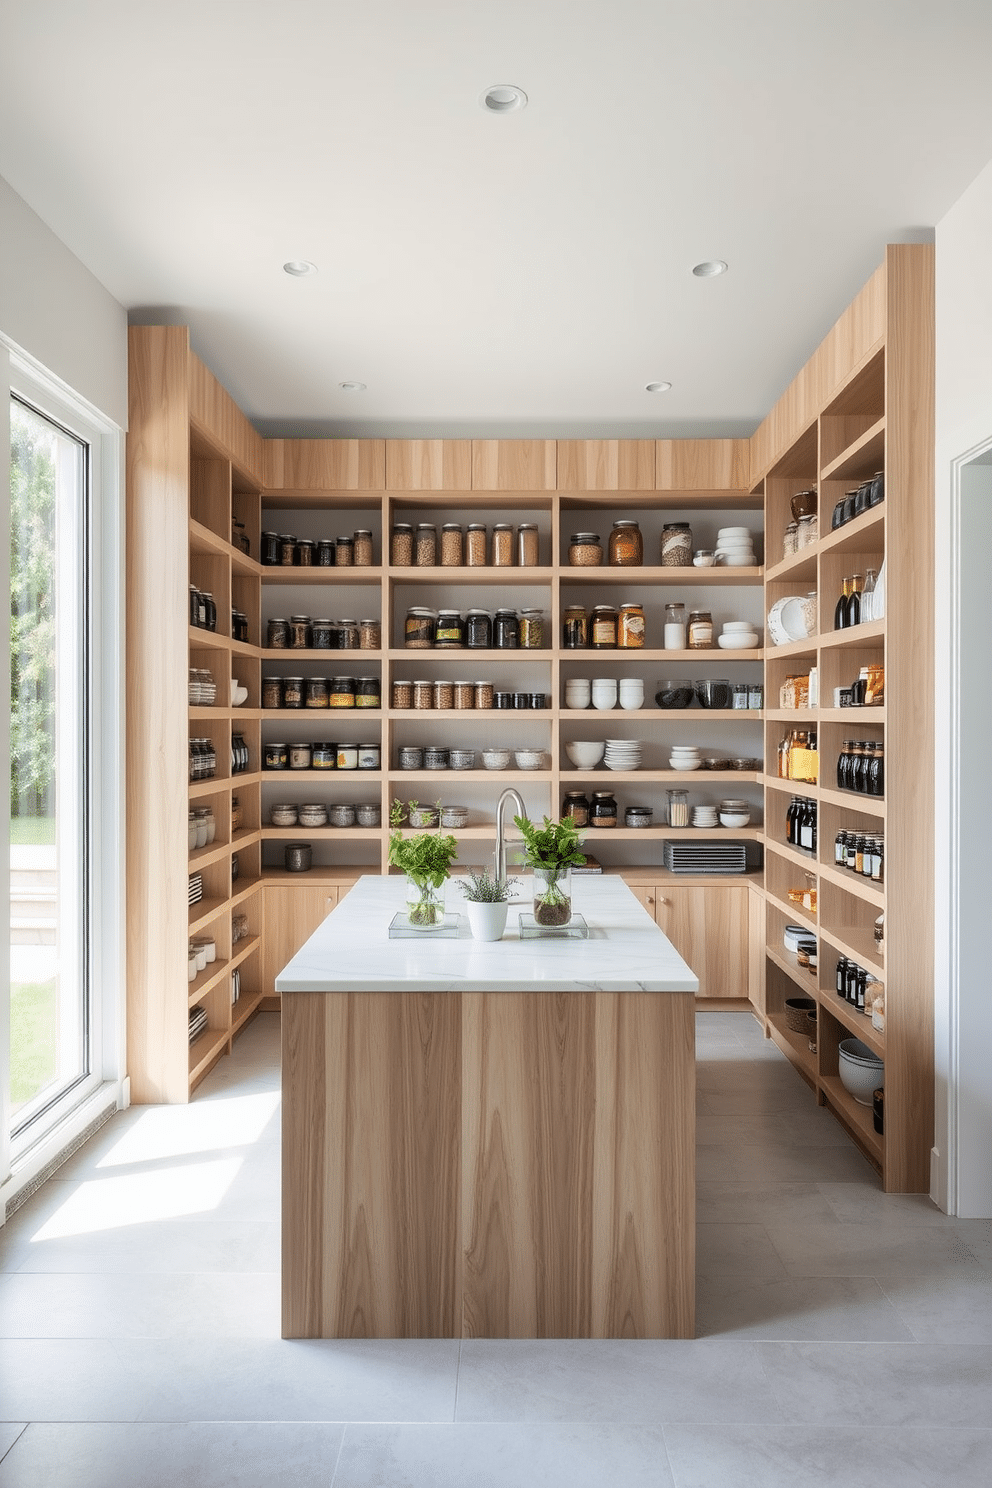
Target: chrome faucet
500,874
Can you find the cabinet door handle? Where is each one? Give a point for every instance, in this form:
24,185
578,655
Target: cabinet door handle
662,901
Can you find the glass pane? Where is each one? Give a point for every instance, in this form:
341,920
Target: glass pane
48,1015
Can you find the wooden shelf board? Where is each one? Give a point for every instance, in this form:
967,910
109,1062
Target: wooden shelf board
208,638
855,1116
324,875
872,805
788,962
317,834
853,883
243,648
461,715
687,778
804,861
285,499
201,914
655,574
245,564
297,715
200,788
242,889
624,654
243,949
274,777
795,913
415,654
855,1022
673,500
207,979
208,715
800,717
275,574
201,857
794,1045
798,566
872,632
243,838
863,533
861,458
793,649
857,946
656,714
246,1005
851,715
497,500
479,576
203,539
419,776
329,654
204,1050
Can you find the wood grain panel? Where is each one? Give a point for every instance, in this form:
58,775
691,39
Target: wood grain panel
702,465
529,1087
290,916
606,464
514,464
428,464
643,1264
325,464
157,690
214,412
304,1163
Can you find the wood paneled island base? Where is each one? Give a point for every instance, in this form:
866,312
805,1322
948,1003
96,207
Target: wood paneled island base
498,1164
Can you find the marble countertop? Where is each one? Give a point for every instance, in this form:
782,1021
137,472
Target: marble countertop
351,951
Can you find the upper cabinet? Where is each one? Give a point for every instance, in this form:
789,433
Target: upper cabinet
514,464
606,464
428,464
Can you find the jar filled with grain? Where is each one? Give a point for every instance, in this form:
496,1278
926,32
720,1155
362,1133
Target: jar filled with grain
401,545
423,694
700,630
419,629
426,550
475,545
531,629
585,550
305,550
630,625
603,630
271,692
369,635
528,545
323,756
575,807
342,692
344,552
452,546
483,694
464,695
444,693
277,634
402,694
348,635
292,692
575,635
362,548
626,545
502,553
299,632
676,545
603,809
368,692
287,549
318,692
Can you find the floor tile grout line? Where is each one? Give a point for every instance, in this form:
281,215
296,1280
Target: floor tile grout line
24,1426
337,1460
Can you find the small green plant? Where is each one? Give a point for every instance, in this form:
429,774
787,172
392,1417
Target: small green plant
551,849
426,859
481,888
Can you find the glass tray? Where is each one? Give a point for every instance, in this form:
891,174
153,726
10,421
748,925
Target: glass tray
576,929
401,929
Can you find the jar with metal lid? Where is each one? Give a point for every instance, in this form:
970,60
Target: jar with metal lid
322,635
277,634
401,545
368,693
348,635
270,548
305,551
464,695
575,634
638,816
450,632
369,635
423,693
323,756
368,756
275,756
300,756
575,807
630,625
483,694
521,699
603,809
475,545
192,831
344,552
347,756
626,545
368,814
478,629
239,625
239,754
326,552
299,632
209,607
528,545
342,693
341,816
531,629
452,550
411,757
284,815
362,548
604,627
318,692
271,692
420,627
403,694
287,549
585,550
444,693
426,549
506,630
678,808
292,692
700,630
435,757
676,545
313,815
502,548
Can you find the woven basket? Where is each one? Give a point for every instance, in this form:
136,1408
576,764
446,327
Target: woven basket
796,1010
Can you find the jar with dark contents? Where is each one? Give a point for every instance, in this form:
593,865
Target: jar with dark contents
287,549
292,692
322,635
423,694
575,634
452,550
270,549
502,550
575,807
435,757
630,625
369,635
531,629
478,629
528,545
325,552
603,809
506,630
342,692
361,549
450,632
475,545
299,632
348,635
275,756
344,552
626,545
368,693
323,756
604,627
239,625
318,692
418,634
277,635
271,692
401,545
403,694
305,552
639,816
426,549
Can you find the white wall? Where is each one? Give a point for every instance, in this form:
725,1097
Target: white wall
55,310
962,1167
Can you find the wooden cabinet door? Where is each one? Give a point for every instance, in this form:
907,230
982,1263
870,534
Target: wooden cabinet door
646,897
291,916
708,926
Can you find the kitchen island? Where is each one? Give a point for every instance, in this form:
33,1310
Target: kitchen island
488,1139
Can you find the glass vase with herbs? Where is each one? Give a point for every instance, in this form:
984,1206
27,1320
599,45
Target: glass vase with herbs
426,859
551,850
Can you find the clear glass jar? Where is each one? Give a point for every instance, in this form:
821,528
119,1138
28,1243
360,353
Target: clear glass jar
369,635
483,694
444,693
675,627
585,550
700,633
292,692
464,695
626,545
362,548
318,692
630,626
808,532
300,756
531,629
419,630
270,548
305,550
287,549
326,552
323,756
275,756
423,694
506,630
403,694
342,692
603,809
452,549
426,549
348,635
277,635
790,540
502,553
676,545
344,552
678,808
368,692
271,692
299,632
575,807
401,545
575,630
450,632
478,630
603,630
322,634
528,545
475,545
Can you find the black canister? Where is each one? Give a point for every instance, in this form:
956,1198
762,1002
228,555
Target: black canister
603,809
287,549
521,699
877,488
503,699
270,548
325,552
277,634
450,632
298,857
506,630
275,756
478,630
322,635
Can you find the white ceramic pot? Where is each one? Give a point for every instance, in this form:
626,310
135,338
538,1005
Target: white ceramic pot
486,921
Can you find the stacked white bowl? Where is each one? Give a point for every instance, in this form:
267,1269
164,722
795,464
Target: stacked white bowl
734,547
685,757
623,754
631,692
604,692
737,635
578,691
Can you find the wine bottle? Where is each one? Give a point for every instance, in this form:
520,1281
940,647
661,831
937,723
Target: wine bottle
854,600
840,609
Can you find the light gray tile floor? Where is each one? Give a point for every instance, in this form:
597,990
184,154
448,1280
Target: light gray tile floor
844,1336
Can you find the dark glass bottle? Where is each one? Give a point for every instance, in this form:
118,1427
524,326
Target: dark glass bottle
790,821
807,826
840,849
854,600
844,765
876,771
840,980
840,609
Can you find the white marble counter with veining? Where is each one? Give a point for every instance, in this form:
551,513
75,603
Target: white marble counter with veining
351,950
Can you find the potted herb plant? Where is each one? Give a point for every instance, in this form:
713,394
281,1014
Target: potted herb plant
486,903
426,859
551,850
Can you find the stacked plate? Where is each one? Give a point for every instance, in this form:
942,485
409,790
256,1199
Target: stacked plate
704,816
734,547
623,754
685,757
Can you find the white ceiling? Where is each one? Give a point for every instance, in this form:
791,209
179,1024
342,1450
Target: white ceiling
505,274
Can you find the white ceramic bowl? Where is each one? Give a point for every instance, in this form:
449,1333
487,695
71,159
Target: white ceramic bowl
238,696
733,532
730,626
585,754
740,640
528,759
859,1076
496,759
734,818
704,560
685,764
738,560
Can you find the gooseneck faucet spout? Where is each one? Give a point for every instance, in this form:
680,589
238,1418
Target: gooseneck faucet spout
509,794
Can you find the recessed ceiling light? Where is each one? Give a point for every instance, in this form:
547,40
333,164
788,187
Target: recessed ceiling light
299,268
503,98
352,387
709,268
658,387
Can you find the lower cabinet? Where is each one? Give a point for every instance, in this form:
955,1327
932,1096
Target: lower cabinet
291,916
708,926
